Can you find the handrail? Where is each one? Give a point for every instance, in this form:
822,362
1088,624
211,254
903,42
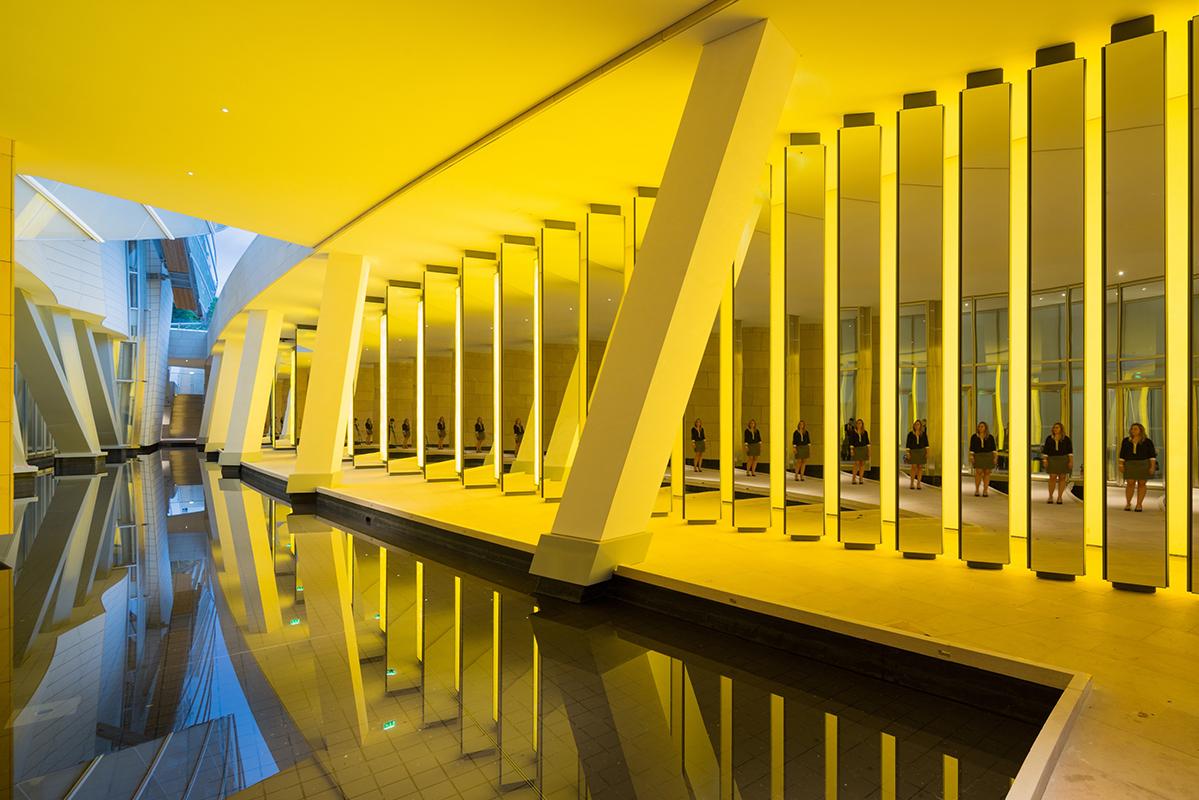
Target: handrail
82,779
191,781
158,754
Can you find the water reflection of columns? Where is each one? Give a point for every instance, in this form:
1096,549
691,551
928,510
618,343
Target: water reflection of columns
324,572
606,706
246,553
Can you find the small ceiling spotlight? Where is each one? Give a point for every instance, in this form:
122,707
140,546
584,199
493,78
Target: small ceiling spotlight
1120,273
224,110
190,173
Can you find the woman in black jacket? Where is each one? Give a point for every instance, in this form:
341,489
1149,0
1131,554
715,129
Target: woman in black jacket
1138,463
801,444
1057,458
859,443
916,454
698,444
982,458
480,434
753,448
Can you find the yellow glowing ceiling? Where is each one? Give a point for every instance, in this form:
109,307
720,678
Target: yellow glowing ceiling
334,106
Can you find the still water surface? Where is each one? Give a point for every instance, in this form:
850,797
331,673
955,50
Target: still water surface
179,635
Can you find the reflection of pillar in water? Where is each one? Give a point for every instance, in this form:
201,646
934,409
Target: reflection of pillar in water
403,655
321,565
439,646
607,703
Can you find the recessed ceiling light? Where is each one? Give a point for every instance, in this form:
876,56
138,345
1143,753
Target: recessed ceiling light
189,172
224,110
1120,273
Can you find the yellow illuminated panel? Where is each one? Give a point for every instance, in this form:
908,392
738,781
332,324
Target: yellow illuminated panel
383,427
421,436
830,757
420,611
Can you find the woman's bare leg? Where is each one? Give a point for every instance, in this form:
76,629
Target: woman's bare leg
1142,488
1129,488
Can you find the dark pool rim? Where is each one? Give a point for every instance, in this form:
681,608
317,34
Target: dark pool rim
918,662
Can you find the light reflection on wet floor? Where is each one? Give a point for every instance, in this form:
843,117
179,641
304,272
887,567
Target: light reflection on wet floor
237,648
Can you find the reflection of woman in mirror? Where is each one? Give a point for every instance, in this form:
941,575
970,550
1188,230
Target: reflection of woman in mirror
1138,463
982,458
859,444
801,444
753,447
440,433
406,430
698,443
1057,458
391,430
916,454
518,433
480,434
370,431
357,433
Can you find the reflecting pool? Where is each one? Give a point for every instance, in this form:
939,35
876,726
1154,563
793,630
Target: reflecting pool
179,635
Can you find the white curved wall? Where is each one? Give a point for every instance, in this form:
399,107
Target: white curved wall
264,262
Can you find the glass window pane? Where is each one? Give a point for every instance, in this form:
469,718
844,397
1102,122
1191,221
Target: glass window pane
1143,329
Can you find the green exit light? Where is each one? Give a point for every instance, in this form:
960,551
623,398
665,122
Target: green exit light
294,621
391,723
299,588
376,616
391,671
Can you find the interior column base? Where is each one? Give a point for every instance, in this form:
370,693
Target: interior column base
983,565
805,537
1055,576
859,546
582,563
920,556
1133,587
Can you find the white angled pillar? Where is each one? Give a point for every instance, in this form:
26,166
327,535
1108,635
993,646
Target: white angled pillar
707,194
252,391
327,404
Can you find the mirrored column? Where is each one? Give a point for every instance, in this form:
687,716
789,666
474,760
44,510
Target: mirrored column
283,397
479,399
518,372
702,433
1193,363
368,425
403,308
605,281
438,351
561,375
1056,263
920,239
984,242
643,207
751,376
807,425
1134,263
305,344
859,232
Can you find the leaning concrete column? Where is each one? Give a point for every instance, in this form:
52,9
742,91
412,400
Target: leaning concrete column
214,371
707,194
327,404
253,387
222,396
